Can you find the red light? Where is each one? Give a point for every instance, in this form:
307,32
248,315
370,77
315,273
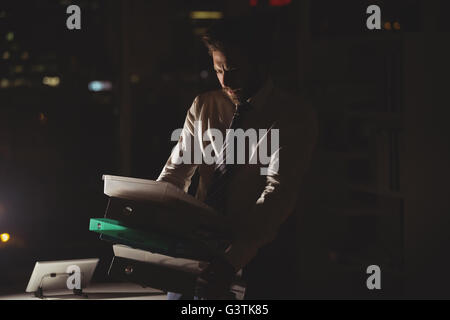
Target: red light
273,3
279,3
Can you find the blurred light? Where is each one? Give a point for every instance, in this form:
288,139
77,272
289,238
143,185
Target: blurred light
204,74
273,3
6,55
397,25
51,81
4,237
387,26
38,68
25,55
10,36
18,69
198,15
20,82
97,86
4,83
279,3
200,31
3,14
42,118
334,256
134,78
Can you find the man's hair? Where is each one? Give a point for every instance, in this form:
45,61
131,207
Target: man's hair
246,33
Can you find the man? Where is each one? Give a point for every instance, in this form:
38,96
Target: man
256,198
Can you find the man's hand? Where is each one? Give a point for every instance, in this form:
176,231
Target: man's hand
215,280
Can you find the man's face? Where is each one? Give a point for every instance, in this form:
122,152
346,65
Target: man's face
237,75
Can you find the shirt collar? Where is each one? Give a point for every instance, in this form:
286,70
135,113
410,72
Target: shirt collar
261,96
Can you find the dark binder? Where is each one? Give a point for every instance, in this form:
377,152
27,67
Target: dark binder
163,272
152,275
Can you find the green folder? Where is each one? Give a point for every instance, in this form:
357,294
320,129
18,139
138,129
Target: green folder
123,234
116,232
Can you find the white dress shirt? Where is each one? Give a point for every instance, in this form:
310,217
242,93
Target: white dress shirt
256,204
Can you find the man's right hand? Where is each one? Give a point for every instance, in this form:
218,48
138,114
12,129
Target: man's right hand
214,281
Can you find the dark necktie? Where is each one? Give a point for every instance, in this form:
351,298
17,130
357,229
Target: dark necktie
223,169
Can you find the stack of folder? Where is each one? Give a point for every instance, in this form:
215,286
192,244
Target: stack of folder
161,235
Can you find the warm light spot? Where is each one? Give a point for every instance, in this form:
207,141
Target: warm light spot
42,117
4,83
387,26
6,55
38,68
200,31
18,69
197,15
4,237
25,55
134,78
396,25
51,81
19,82
10,36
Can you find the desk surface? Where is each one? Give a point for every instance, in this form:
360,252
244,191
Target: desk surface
100,291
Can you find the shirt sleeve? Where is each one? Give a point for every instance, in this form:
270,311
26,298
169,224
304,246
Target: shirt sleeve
286,169
177,170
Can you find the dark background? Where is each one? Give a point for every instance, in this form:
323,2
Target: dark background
377,192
